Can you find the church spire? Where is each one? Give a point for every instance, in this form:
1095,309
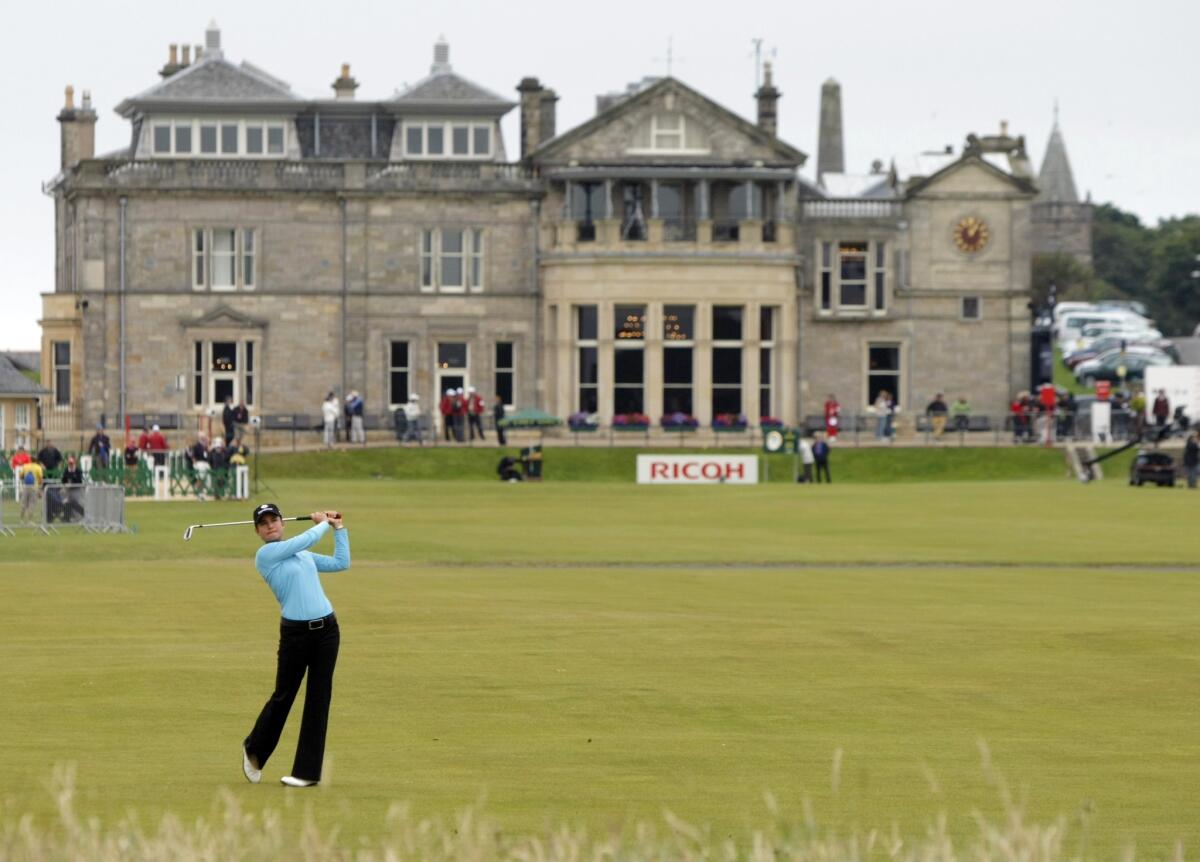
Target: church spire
1055,180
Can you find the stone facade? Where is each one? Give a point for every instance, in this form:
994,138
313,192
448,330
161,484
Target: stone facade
369,253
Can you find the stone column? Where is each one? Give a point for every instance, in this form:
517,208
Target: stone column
787,343
605,360
702,358
652,362
751,344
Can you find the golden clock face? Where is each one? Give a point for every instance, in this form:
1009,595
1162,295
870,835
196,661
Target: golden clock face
971,235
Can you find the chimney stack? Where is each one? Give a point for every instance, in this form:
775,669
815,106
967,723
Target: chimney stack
768,100
78,129
537,114
172,61
344,86
830,156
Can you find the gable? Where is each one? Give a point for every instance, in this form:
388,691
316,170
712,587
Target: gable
970,176
223,317
212,80
667,123
447,88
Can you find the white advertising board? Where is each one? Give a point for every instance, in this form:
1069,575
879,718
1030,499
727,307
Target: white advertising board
1182,385
697,469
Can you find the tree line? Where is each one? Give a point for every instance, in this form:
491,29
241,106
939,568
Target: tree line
1153,265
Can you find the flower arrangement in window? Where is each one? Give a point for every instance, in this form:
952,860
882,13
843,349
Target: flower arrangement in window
631,422
770,422
583,421
680,421
729,422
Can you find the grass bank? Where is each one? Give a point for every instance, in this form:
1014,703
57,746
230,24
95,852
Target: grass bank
569,464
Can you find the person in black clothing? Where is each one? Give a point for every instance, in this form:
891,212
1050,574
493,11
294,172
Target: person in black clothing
49,457
821,459
241,418
72,479
507,468
498,416
100,447
227,419
1191,460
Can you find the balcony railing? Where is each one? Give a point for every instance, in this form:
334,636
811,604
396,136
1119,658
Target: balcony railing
725,230
768,231
679,230
585,231
850,208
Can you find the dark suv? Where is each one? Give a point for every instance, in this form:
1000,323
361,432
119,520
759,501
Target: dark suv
1152,466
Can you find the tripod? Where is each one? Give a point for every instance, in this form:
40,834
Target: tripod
257,474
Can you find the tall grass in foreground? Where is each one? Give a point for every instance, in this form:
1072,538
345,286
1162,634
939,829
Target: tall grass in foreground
471,836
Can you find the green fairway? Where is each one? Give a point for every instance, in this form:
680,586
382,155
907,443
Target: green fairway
596,652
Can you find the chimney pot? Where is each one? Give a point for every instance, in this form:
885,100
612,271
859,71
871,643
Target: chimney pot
87,100
199,52
173,54
1004,128
69,105
187,55
345,70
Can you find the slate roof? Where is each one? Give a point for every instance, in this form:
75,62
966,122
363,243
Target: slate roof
441,88
213,80
13,382
1056,181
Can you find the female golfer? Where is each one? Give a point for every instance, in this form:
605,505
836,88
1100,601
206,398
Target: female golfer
308,641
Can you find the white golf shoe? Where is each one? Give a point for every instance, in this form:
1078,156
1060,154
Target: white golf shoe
252,775
292,781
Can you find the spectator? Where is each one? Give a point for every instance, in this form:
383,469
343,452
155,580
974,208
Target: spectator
881,408
475,410
1066,414
1126,407
50,458
239,453
1047,401
100,447
227,419
218,459
820,451
197,456
143,441
1017,409
19,458
355,408
446,408
1191,460
158,446
30,478
347,415
72,479
806,461
833,417
936,410
507,468
412,419
459,403
241,418
961,411
1161,409
329,413
498,418
132,455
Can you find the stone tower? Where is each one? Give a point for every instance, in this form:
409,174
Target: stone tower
830,156
1062,224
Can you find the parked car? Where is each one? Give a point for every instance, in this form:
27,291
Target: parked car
1151,465
1110,366
1115,355
1104,346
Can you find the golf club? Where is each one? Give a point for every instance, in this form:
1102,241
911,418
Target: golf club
187,534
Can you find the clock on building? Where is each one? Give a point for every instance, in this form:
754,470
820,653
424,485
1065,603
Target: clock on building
971,234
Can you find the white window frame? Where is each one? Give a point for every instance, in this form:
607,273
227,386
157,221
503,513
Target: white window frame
392,369
231,255
657,128
447,127
194,124
54,369
510,370
432,256
828,255
246,250
962,308
674,343
581,343
247,356
716,343
900,394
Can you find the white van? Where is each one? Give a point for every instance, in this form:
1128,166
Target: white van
1073,323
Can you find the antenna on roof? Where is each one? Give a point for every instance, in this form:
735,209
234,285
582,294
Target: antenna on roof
670,59
758,60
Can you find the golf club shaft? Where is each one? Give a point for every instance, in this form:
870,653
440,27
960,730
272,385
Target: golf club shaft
244,523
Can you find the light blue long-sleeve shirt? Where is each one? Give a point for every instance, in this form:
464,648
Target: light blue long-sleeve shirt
290,570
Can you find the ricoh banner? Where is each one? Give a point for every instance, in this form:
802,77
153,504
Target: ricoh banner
697,469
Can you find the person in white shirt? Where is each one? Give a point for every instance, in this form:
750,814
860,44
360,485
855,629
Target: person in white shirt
330,410
412,416
807,459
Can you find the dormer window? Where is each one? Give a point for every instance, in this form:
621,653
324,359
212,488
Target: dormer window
670,132
218,138
447,139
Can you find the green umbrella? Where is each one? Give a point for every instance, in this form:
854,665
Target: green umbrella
530,417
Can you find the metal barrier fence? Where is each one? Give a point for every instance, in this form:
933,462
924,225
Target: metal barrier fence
93,508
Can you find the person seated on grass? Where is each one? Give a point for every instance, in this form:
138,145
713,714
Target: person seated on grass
507,468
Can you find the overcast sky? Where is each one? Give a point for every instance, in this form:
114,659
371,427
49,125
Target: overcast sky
915,75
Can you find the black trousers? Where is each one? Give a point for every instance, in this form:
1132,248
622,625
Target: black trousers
823,467
300,649
476,423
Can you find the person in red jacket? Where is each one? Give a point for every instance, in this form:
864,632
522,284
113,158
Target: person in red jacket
445,407
833,417
475,410
458,405
158,446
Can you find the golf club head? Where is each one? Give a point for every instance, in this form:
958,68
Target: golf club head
187,534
